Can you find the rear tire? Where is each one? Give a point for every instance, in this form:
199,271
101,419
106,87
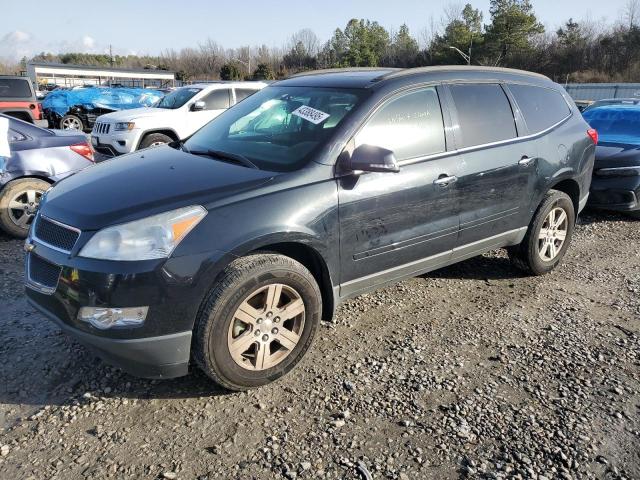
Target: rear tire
548,236
15,219
155,140
257,322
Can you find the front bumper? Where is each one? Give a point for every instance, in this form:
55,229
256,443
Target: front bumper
114,143
615,193
165,356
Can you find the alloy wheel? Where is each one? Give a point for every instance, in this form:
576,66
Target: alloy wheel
23,207
266,327
553,234
71,124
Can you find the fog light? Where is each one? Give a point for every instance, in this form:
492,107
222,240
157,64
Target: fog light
104,318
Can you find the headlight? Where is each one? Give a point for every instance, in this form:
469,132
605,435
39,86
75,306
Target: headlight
618,172
123,126
152,237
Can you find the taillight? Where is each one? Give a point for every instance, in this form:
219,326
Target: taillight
83,149
593,135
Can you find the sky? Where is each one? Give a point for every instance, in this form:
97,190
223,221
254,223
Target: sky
150,27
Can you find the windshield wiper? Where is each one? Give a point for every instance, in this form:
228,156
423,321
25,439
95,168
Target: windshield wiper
226,156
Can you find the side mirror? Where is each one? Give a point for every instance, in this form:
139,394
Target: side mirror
370,158
198,106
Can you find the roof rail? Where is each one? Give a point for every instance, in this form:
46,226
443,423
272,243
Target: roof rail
342,70
453,68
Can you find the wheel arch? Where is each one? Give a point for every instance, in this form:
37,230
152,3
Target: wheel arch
571,187
169,132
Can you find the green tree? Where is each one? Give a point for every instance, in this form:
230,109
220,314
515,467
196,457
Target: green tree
263,72
362,44
404,49
463,33
230,72
298,58
513,25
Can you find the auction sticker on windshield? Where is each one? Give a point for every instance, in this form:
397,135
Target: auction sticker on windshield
311,114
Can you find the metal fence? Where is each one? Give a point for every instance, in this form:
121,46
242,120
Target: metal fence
599,91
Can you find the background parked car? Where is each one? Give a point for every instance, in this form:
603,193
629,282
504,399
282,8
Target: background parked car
39,157
612,101
18,98
78,108
178,115
616,176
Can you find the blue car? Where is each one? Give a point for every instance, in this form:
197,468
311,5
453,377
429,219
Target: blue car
39,157
616,175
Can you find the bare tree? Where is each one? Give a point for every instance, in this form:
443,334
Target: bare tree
631,13
309,41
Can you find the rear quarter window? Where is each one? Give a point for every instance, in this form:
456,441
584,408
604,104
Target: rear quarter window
14,88
541,107
484,114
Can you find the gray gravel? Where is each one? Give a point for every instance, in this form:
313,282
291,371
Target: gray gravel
469,372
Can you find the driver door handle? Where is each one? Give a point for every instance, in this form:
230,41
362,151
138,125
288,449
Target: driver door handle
525,161
445,180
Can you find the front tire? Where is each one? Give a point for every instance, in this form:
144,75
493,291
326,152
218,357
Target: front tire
71,122
257,322
19,201
155,140
548,236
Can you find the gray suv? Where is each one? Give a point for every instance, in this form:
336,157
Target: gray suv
227,249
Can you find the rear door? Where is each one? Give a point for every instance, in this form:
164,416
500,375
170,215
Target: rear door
398,224
497,169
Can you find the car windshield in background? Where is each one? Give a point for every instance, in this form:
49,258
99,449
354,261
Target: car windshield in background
278,128
615,124
177,98
14,88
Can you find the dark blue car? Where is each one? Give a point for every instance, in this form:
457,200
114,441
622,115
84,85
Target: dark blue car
616,175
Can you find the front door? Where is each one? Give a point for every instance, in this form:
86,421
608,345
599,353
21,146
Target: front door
397,224
216,102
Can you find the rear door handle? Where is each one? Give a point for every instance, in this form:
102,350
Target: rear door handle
445,180
526,161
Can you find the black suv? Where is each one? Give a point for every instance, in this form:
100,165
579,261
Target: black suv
230,247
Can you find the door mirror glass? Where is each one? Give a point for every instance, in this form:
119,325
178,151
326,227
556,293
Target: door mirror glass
198,106
371,158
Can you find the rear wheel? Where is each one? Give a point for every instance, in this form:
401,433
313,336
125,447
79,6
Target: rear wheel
258,321
155,140
548,236
635,214
19,203
71,122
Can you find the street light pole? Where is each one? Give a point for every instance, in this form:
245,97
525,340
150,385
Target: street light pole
466,57
247,64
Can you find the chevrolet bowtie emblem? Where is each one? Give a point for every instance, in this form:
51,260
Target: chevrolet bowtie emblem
29,247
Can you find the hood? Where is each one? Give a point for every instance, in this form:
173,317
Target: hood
617,155
138,185
133,113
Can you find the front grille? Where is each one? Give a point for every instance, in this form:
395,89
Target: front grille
102,128
42,273
55,234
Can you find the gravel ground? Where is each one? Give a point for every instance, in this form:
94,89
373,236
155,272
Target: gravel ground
473,371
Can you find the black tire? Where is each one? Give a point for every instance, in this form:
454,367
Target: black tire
525,256
68,120
19,188
154,139
635,214
234,285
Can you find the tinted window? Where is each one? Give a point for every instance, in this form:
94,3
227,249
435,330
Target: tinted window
541,107
242,93
14,88
15,136
484,114
411,126
218,99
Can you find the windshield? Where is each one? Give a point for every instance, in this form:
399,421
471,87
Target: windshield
278,128
615,124
177,98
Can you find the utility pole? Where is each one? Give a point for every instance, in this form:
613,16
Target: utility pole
110,56
466,57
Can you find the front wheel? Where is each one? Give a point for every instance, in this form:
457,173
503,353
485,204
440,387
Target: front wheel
71,122
155,140
19,203
258,321
547,237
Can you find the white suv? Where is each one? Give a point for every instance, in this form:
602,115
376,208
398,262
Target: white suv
178,115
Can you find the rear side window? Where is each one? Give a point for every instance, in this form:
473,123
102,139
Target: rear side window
15,136
242,93
541,107
14,88
218,99
484,114
411,126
